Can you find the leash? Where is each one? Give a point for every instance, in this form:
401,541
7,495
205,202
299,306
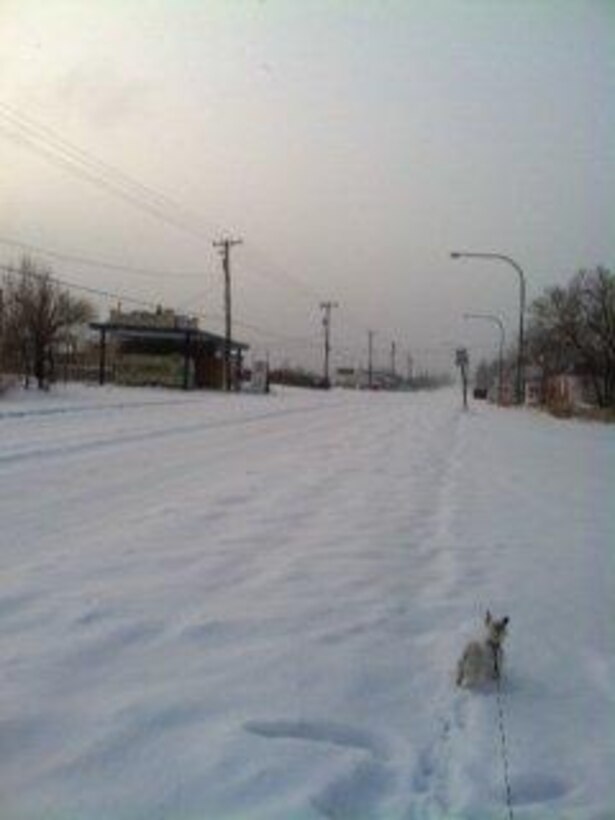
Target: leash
503,737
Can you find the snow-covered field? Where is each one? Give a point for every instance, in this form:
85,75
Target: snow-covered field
243,606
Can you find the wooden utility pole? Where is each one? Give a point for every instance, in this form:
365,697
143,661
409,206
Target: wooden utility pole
393,352
224,246
1,327
370,350
102,364
410,366
462,361
326,321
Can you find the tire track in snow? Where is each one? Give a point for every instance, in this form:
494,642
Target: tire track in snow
156,434
370,782
370,779
91,408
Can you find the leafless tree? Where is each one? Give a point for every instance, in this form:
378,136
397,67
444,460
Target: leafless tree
573,327
37,314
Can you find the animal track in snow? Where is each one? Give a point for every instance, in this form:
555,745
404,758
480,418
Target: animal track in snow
355,795
530,789
431,776
336,734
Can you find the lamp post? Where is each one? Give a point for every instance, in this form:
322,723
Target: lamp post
490,317
502,258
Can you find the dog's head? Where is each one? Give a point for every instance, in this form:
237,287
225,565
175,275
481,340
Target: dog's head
496,630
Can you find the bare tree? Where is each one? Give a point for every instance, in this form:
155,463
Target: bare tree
573,327
37,314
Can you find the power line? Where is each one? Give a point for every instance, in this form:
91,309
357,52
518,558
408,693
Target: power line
102,183
98,263
35,135
284,341
75,160
11,270
60,151
270,271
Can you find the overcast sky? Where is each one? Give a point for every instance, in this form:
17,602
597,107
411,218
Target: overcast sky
351,145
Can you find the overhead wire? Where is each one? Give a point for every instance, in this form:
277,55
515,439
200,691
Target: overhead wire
35,132
282,340
12,270
99,182
60,151
98,263
74,159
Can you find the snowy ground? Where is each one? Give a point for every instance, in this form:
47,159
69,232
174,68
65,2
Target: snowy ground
226,607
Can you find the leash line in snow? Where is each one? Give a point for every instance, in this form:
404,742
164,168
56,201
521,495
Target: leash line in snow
504,748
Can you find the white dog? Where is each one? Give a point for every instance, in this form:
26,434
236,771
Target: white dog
482,660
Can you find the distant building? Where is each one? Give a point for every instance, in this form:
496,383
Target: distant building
572,390
380,380
346,377
164,348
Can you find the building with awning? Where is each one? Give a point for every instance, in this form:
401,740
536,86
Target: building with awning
165,348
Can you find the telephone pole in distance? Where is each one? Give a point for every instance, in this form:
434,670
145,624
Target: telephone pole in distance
370,350
326,322
409,366
224,246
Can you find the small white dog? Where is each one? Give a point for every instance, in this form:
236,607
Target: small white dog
482,660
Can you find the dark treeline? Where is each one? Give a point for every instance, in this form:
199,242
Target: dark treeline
37,318
570,330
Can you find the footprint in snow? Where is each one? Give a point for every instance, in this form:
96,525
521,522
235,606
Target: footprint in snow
357,795
352,796
337,734
534,789
431,776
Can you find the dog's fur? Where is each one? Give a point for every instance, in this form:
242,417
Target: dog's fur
482,660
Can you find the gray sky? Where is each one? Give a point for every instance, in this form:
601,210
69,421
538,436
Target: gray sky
351,145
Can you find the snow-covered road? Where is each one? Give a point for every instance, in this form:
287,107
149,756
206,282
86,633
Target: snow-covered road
250,607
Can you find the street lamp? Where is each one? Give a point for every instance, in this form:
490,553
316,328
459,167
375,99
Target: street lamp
502,258
490,317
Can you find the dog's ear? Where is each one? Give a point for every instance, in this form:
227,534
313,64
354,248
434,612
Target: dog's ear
505,621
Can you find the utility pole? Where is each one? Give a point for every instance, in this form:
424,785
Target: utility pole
326,322
224,246
462,361
409,365
1,321
370,349
393,352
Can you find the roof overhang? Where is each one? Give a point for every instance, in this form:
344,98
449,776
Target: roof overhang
124,331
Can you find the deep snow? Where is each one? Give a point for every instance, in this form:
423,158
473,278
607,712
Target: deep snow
251,607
